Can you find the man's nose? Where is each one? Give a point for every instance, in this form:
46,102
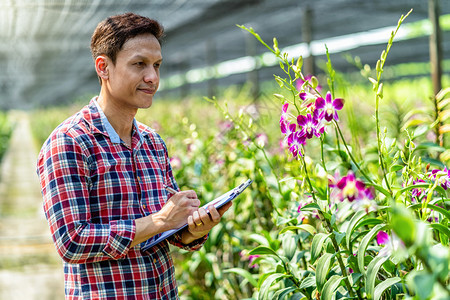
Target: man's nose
151,75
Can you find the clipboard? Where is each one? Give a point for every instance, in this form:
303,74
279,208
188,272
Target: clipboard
218,203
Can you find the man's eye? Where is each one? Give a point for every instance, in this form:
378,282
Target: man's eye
157,66
139,63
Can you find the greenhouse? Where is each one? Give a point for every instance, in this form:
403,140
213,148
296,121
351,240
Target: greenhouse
325,123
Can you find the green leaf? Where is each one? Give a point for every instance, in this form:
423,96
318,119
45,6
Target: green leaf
441,228
372,271
422,283
322,268
281,294
351,226
289,245
429,146
403,225
380,189
443,211
364,243
369,221
383,286
259,239
330,287
316,246
263,250
308,282
265,287
244,273
310,207
305,227
339,236
396,168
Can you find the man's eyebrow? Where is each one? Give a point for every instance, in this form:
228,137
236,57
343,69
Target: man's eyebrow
141,57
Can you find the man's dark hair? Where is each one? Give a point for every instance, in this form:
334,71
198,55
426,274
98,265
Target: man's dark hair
110,34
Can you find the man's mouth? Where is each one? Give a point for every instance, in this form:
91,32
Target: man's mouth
147,90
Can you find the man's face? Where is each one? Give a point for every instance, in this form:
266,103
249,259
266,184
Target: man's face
134,78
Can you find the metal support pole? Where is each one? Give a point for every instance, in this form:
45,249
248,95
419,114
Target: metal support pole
435,61
309,63
211,60
435,46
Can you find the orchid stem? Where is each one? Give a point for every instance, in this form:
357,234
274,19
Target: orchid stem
330,230
350,154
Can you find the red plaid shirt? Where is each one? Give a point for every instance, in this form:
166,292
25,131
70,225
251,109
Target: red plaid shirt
94,186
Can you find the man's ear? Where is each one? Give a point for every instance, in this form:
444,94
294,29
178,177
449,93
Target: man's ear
101,67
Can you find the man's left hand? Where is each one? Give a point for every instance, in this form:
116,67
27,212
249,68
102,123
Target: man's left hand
200,222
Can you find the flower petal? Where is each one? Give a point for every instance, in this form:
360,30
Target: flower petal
301,120
328,97
360,185
320,103
338,103
382,238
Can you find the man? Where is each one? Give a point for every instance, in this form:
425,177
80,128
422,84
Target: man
104,175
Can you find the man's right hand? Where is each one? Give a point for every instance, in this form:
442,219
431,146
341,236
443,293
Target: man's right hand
178,208
173,214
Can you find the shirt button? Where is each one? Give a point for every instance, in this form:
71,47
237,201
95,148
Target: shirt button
143,206
154,260
139,178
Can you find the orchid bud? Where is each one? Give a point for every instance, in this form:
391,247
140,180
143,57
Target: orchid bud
314,82
278,96
378,67
299,63
279,81
380,91
275,46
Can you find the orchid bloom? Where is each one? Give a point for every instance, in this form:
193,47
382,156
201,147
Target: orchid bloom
288,130
351,187
365,201
300,83
329,107
284,113
392,243
416,193
251,258
295,146
311,125
442,176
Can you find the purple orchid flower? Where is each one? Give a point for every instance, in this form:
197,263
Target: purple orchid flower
416,193
443,177
392,243
251,258
284,114
351,187
365,201
329,107
311,125
300,82
297,141
288,130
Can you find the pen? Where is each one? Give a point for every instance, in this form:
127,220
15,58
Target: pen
170,190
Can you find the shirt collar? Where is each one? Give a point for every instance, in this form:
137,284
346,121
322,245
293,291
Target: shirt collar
110,131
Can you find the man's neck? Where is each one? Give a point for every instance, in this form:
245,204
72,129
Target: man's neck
120,119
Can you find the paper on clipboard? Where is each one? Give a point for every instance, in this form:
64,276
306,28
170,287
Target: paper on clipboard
218,203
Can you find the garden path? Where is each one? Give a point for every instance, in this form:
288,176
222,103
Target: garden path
29,265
